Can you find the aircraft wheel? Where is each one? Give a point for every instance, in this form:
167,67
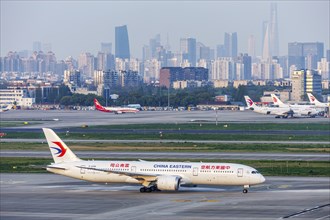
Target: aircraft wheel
148,190
245,191
153,188
143,189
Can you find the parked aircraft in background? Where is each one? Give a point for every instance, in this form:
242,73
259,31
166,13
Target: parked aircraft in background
298,110
6,109
283,112
116,110
316,102
153,176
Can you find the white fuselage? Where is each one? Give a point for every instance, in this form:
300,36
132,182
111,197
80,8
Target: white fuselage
190,173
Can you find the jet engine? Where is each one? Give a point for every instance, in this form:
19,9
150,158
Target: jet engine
168,182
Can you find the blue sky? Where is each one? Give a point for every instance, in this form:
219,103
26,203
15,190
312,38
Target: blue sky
73,27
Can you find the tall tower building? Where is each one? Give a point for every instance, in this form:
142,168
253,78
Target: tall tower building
230,44
266,53
270,43
273,37
121,42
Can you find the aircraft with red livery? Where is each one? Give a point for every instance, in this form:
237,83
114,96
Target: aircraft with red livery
116,110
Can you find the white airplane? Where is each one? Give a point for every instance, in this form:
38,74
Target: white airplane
7,108
116,110
153,176
283,112
298,110
316,102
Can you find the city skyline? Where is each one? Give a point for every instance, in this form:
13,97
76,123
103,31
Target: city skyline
88,24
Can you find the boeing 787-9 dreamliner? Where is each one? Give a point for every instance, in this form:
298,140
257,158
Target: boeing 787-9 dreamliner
153,176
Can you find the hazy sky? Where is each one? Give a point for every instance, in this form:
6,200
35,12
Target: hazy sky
73,27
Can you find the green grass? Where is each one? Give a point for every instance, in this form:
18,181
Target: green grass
167,136
221,126
267,168
175,147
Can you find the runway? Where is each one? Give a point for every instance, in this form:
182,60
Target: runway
49,196
66,119
177,155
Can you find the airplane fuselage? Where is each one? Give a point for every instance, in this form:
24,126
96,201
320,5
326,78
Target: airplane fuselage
190,173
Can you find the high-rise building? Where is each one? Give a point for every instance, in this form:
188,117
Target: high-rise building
246,62
230,44
154,44
121,42
252,46
270,41
304,81
323,67
274,41
86,64
221,51
188,50
328,55
106,47
304,55
266,52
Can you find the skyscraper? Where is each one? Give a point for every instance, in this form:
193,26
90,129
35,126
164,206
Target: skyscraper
252,46
304,55
270,43
230,44
273,37
121,42
188,50
106,47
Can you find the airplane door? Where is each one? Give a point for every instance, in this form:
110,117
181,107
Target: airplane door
133,169
240,172
195,171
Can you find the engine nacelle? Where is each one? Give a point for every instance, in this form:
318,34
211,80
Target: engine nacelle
168,182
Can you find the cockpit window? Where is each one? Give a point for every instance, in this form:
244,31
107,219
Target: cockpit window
254,172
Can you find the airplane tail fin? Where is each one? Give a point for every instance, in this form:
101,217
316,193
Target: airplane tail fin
312,99
277,101
249,102
59,150
98,106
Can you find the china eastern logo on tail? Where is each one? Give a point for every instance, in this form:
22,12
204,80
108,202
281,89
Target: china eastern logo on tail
250,102
60,149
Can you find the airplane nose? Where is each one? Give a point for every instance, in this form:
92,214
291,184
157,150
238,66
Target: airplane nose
262,179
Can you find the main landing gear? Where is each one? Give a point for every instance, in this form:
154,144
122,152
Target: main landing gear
149,189
245,190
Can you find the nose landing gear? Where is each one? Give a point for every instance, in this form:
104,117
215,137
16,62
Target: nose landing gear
245,189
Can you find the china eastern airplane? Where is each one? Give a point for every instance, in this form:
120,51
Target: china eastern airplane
316,102
278,111
116,110
153,176
298,110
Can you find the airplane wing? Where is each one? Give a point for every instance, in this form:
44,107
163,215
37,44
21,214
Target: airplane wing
56,167
144,178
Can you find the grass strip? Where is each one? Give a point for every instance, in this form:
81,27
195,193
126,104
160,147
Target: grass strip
176,147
